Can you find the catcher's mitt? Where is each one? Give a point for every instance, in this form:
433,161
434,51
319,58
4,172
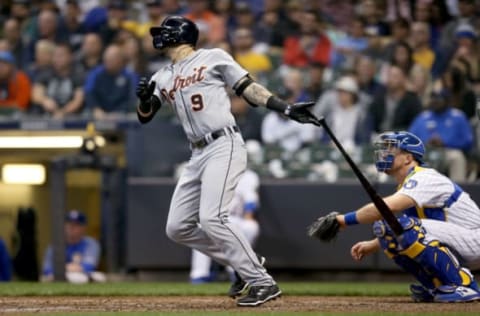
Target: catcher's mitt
325,228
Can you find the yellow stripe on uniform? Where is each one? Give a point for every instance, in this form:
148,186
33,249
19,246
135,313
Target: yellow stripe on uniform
414,250
420,212
466,277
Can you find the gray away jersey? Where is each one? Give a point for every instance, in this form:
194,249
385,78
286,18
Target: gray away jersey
195,88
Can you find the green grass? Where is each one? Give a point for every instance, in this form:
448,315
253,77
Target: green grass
183,289
178,288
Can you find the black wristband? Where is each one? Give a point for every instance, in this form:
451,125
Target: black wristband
145,106
276,104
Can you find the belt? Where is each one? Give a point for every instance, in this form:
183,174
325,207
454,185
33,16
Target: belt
210,137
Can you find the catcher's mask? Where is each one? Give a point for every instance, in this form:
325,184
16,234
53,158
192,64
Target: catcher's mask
388,144
173,31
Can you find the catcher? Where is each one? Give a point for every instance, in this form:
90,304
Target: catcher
441,224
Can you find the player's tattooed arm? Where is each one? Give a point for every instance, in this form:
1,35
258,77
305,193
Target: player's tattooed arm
257,94
252,92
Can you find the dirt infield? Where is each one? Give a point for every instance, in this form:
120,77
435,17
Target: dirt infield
12,305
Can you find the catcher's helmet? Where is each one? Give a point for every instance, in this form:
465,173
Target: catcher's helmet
389,141
174,30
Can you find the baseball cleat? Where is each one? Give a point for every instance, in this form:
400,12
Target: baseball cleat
455,294
420,294
258,295
239,285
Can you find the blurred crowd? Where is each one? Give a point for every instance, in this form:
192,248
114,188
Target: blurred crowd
370,65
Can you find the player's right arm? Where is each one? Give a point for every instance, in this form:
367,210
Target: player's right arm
149,102
364,248
257,95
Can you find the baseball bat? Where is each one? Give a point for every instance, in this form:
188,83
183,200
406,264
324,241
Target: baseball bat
382,207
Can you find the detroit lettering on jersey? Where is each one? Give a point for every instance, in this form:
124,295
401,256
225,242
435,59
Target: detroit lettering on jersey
196,88
181,82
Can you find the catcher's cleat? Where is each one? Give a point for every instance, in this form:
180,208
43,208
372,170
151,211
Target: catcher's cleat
258,295
239,285
420,294
455,294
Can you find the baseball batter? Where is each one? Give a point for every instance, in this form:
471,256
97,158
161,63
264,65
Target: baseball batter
441,224
194,85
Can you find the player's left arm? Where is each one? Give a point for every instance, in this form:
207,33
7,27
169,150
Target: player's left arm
149,102
257,95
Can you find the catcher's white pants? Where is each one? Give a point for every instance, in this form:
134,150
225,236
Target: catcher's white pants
463,242
201,263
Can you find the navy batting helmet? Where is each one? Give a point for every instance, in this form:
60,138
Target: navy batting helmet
174,30
389,141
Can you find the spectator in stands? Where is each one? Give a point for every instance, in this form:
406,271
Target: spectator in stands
85,7
71,17
348,114
21,11
293,81
338,13
394,9
424,13
257,64
402,57
372,15
466,15
467,51
287,134
346,49
311,45
279,26
329,99
15,87
365,72
248,119
243,211
245,18
42,64
155,16
314,86
173,7
420,82
4,45
91,52
444,127
420,39
47,5
400,34
47,28
12,34
226,10
199,12
110,88
117,13
462,97
397,107
82,251
61,93
5,263
132,50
